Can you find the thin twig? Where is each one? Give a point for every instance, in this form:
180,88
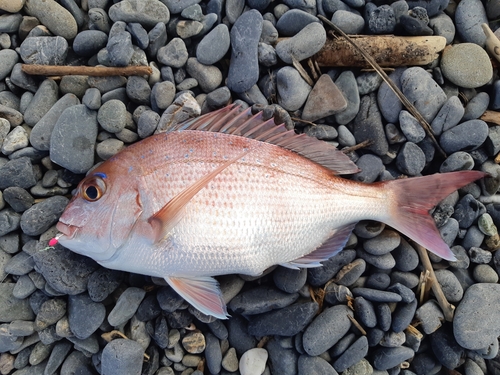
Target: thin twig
96,71
302,71
363,144
411,108
357,325
448,308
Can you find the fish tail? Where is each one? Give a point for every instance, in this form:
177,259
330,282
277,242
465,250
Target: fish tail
415,197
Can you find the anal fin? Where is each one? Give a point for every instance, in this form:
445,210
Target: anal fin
201,292
328,249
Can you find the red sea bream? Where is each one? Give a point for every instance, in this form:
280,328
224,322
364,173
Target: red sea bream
229,193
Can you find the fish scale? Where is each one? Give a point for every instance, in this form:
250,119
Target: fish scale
231,192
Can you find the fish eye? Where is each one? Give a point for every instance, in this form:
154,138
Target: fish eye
93,189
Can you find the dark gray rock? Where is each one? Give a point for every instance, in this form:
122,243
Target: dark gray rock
65,271
50,312
17,172
326,330
448,116
208,77
430,316
446,349
314,366
365,312
293,21
380,20
146,12
12,308
213,354
288,280
244,67
214,45
84,315
368,125
411,128
238,335
88,42
126,306
284,322
138,90
355,353
19,264
43,215
386,358
346,83
466,136
73,139
292,89
45,97
320,275
18,198
260,300
432,7
174,54
410,159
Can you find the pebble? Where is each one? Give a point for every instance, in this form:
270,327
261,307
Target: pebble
454,139
138,90
478,255
450,285
40,217
126,306
411,128
194,342
476,106
375,295
385,242
348,22
122,356
421,90
386,358
302,45
368,126
54,16
458,68
370,166
282,360
214,46
380,20
244,68
50,312
326,329
148,13
469,16
230,360
284,322
430,316
76,129
325,99
483,273
260,300
292,89
365,312
84,315
346,83
44,50
174,54
289,280
403,316
45,97
448,116
208,77
15,140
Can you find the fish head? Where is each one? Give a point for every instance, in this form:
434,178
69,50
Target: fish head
102,213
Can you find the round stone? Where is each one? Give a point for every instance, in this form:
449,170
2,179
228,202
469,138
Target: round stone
460,69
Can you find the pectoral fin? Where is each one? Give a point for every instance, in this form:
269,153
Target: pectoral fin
201,292
327,250
166,218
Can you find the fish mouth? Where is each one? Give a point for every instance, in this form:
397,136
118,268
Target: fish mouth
66,229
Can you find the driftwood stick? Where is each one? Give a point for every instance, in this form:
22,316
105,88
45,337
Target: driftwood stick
409,106
97,71
491,117
448,308
386,50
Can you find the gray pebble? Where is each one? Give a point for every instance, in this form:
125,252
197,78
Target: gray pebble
476,106
40,217
17,139
12,308
380,20
483,273
337,294
365,312
126,306
411,128
406,293
293,21
84,315
89,42
458,68
480,256
320,275
24,287
148,122
45,97
188,28
385,242
50,312
448,116
238,335
292,88
9,221
65,271
420,89
21,328
18,198
208,77
375,295
348,22
260,300
76,129
368,82
284,322
328,328
457,161
430,316
384,318
368,228
314,366
346,83
44,50
386,358
92,99
368,125
214,45
138,90
139,35
384,262
213,354
122,356
467,210
19,264
449,231
288,280
8,59
378,280
390,106
54,16
406,278
443,25
174,54
303,45
146,12
282,360
356,352
469,16
410,159
350,274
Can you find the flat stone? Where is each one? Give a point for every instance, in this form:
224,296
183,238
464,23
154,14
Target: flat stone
386,358
469,16
325,99
292,89
214,45
122,356
459,69
54,16
75,130
244,66
466,136
44,50
146,12
303,45
40,217
12,308
45,97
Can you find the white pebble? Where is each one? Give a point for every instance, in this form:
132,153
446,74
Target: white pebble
253,361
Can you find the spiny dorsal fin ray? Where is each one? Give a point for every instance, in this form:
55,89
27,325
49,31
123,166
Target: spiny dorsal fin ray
233,120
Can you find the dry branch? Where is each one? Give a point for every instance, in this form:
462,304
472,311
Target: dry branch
386,50
96,71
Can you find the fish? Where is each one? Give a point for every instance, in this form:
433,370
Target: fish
231,192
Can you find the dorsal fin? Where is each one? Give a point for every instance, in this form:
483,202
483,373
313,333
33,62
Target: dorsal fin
232,120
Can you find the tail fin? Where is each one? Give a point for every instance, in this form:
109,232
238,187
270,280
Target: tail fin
415,197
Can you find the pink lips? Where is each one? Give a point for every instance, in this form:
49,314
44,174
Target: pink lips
67,230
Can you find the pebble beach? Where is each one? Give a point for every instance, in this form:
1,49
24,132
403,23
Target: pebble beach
368,310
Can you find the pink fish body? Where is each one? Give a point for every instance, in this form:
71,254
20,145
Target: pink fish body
231,193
